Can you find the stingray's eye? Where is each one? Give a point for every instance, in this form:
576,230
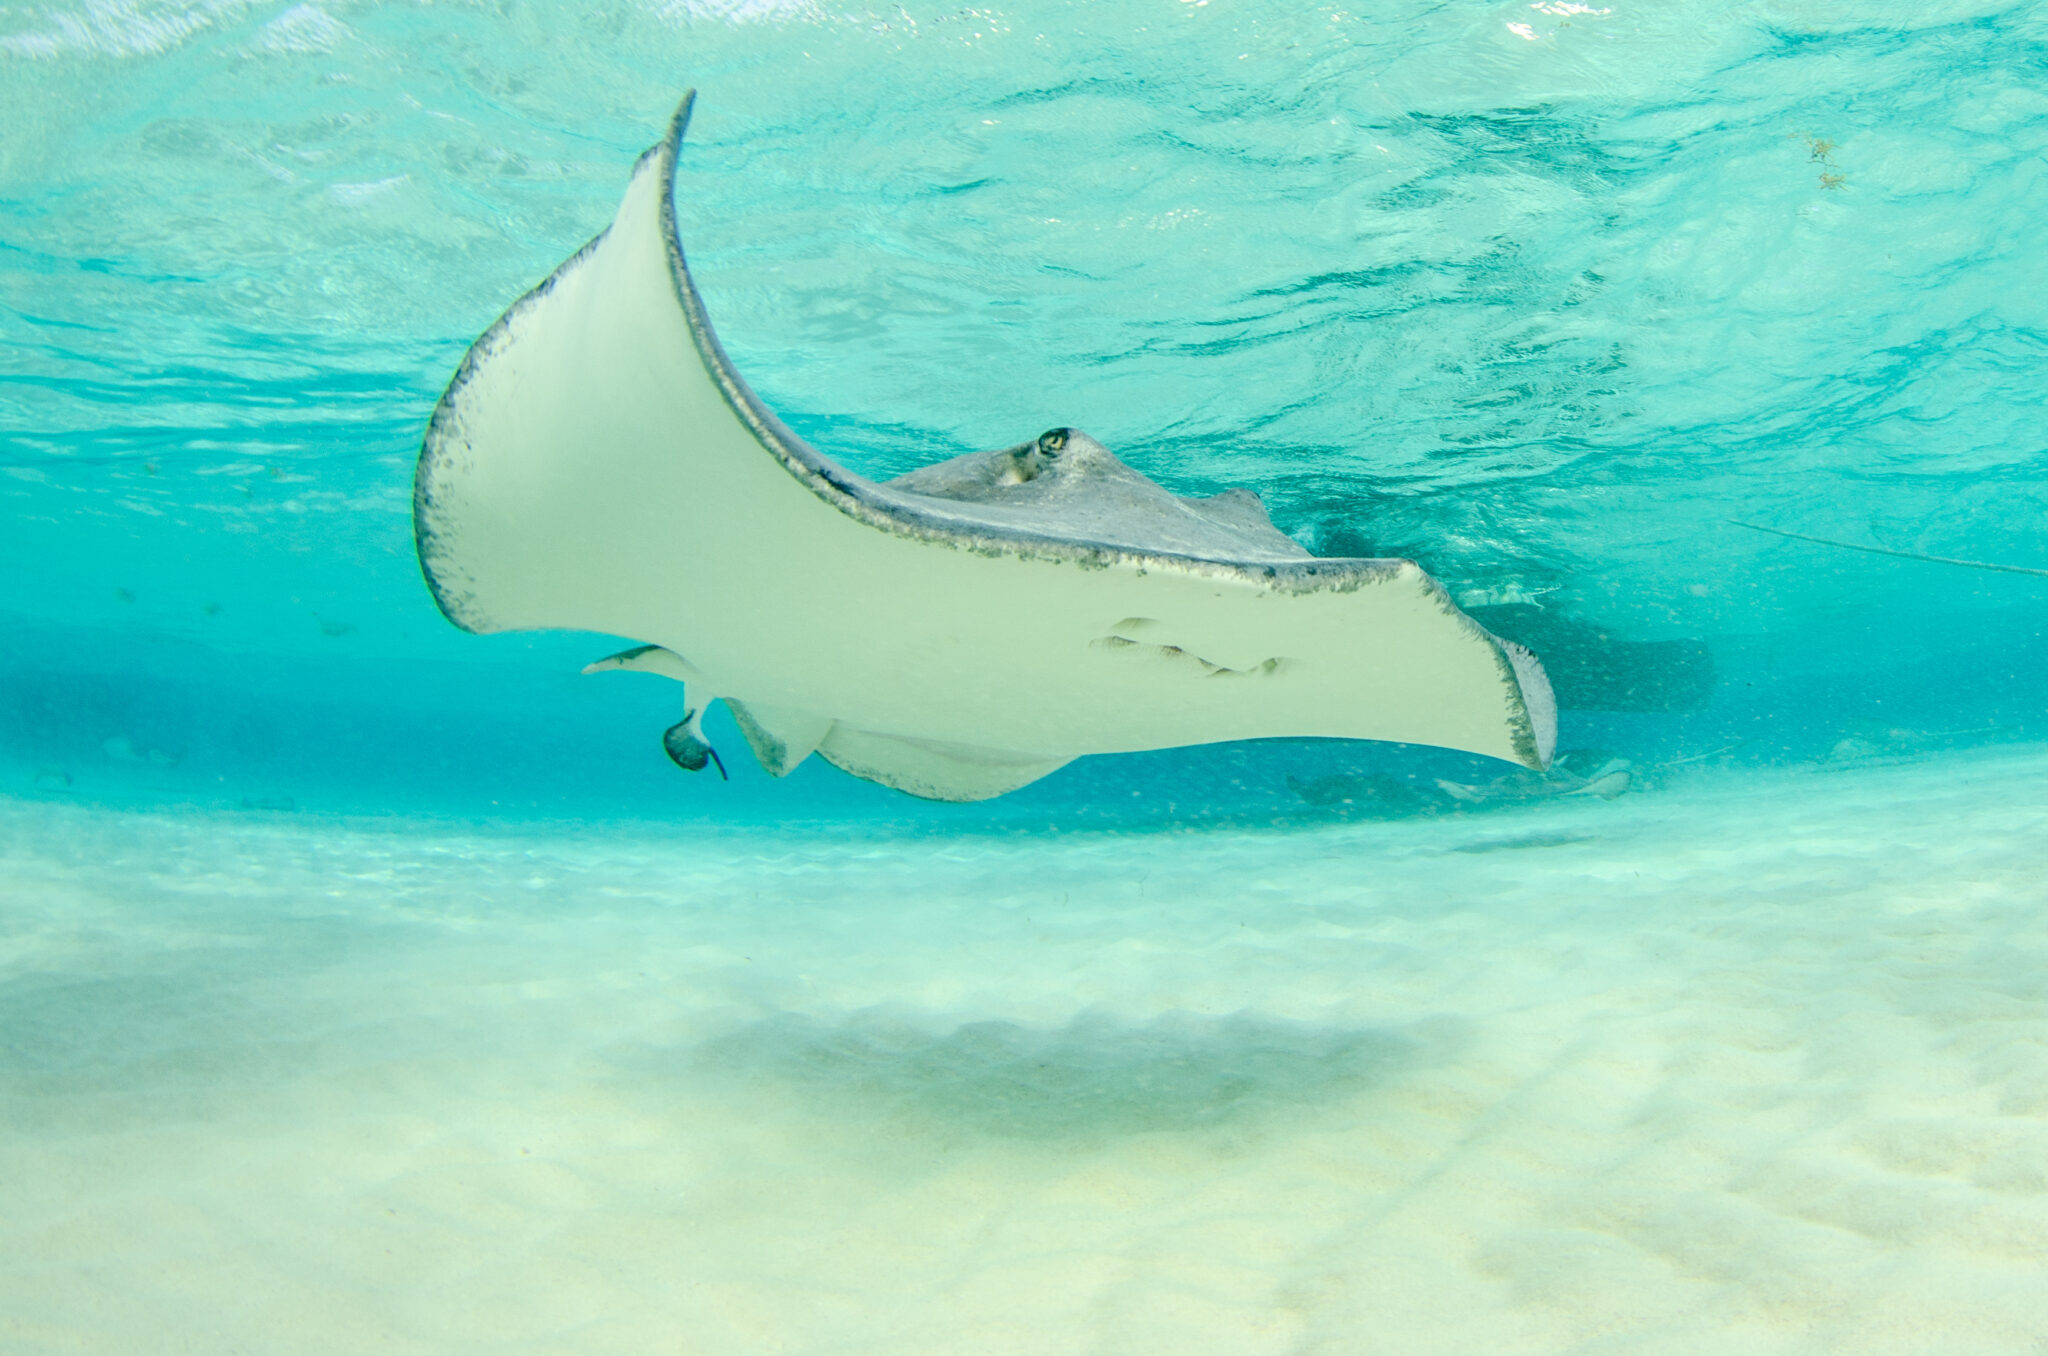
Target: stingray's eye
1051,441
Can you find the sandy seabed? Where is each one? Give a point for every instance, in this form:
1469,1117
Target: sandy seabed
1754,1065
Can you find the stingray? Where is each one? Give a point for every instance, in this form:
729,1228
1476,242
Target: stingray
596,464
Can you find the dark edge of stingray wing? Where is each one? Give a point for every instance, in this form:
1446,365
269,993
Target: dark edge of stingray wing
1534,725
443,425
1533,720
861,498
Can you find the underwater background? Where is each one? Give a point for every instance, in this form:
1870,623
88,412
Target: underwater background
363,982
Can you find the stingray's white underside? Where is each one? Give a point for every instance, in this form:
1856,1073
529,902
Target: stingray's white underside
597,465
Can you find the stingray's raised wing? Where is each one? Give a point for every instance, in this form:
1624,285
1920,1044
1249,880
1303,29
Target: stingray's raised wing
597,464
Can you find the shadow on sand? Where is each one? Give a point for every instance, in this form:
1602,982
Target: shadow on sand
1095,1077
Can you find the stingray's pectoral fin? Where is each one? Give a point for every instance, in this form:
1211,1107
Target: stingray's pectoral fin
780,738
686,746
932,769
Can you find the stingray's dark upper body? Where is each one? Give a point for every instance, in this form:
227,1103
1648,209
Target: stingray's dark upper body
1065,485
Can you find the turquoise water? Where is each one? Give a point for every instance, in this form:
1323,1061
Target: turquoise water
311,905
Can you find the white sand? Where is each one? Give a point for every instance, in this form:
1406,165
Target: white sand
1751,1067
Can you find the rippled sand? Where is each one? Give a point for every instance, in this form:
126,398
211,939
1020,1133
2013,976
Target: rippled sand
1755,1066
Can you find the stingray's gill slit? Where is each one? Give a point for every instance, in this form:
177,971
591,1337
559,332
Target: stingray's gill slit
1189,661
938,632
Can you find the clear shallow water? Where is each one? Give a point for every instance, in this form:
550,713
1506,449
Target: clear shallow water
1543,296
